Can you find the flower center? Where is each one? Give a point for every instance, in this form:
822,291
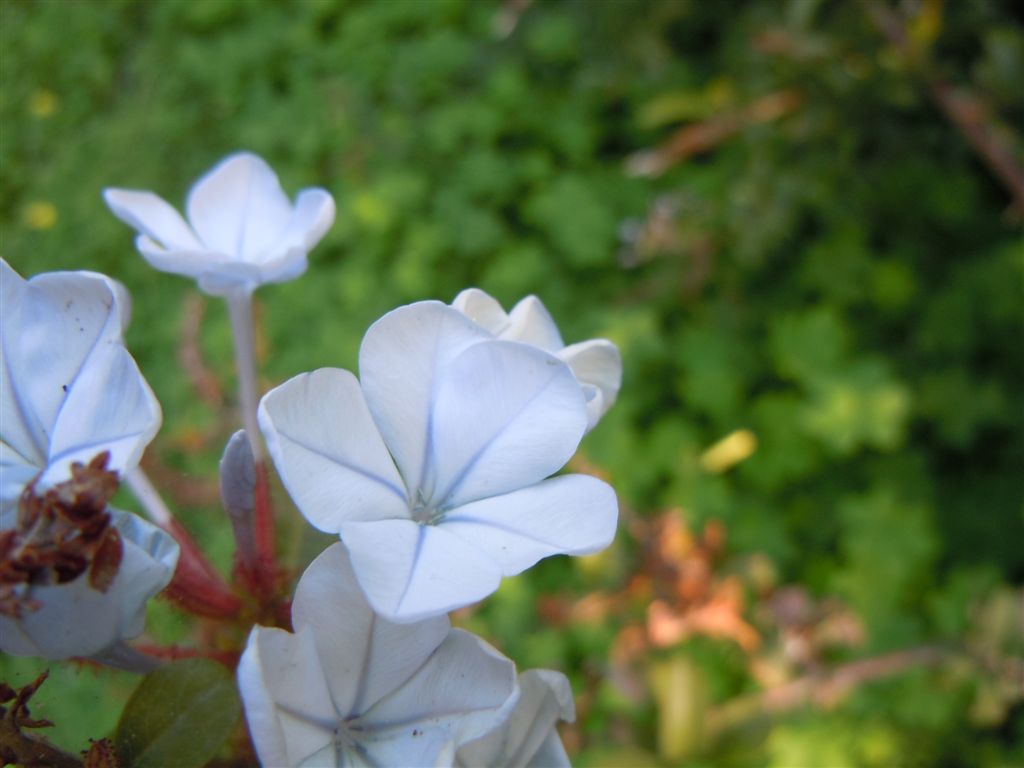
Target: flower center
425,513
348,737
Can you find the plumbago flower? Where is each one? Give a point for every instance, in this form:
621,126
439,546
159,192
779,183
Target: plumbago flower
529,737
242,230
350,688
596,363
70,389
75,573
433,469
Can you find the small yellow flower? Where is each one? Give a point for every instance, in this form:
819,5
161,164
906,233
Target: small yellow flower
40,215
729,451
43,103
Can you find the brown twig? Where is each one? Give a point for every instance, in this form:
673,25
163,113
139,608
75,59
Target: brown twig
701,137
984,132
18,747
824,689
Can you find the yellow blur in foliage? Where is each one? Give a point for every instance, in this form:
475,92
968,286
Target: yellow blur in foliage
681,700
40,215
729,451
43,103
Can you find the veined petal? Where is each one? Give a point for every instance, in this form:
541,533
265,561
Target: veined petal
328,451
109,407
531,323
545,698
22,437
570,514
287,704
464,689
411,572
482,309
152,216
238,207
364,657
506,415
400,360
598,363
410,744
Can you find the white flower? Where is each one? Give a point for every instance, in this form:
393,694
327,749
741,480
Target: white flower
474,426
529,738
350,688
596,363
69,389
75,619
242,231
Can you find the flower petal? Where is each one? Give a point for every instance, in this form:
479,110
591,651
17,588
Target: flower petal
364,657
482,309
465,689
411,572
109,407
287,705
192,262
310,219
400,361
152,216
598,363
506,415
570,514
545,698
531,323
23,446
328,451
238,207
409,744
284,266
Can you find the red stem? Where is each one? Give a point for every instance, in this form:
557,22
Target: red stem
173,653
196,585
266,577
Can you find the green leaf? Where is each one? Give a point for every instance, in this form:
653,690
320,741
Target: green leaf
179,715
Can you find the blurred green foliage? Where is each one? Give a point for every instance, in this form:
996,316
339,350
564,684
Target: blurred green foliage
843,279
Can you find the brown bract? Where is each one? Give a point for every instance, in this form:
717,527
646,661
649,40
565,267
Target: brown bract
61,534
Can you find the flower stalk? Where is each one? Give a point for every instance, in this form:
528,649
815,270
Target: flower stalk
241,313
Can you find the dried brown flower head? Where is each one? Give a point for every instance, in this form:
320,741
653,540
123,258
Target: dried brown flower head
61,534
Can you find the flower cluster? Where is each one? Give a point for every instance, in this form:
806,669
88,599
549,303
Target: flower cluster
436,468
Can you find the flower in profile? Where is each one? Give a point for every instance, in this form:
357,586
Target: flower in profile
70,389
433,468
242,230
529,738
74,574
596,363
351,688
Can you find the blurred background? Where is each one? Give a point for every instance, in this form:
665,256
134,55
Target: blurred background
800,220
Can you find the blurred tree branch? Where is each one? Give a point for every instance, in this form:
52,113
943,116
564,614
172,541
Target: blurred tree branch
988,136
